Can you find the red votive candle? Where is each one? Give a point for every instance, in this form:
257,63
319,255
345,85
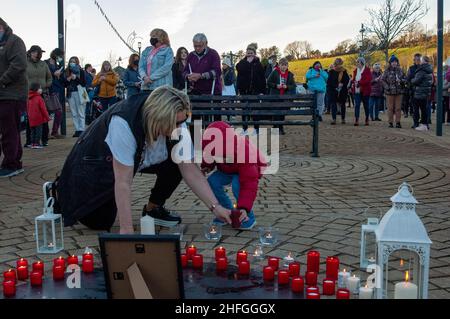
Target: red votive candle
313,296
294,269
184,260
244,268
268,273
221,253
191,252
343,294
283,277
241,256
298,285
58,272
9,289
87,266
22,273
329,287
36,279
10,275
72,260
22,262
311,290
88,256
332,268
274,263
222,264
313,262
197,261
311,278
59,262
38,266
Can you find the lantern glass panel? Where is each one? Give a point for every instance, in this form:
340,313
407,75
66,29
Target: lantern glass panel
49,234
400,262
371,246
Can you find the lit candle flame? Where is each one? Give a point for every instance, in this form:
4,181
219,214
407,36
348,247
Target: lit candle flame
407,276
402,263
234,206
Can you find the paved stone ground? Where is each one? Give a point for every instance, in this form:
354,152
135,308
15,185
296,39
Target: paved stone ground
315,203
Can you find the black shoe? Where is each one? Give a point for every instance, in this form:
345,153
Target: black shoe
162,217
398,125
45,144
378,120
320,119
391,125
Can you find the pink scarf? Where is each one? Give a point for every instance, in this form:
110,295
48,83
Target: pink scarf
151,56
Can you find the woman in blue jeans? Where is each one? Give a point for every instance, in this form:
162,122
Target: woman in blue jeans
376,102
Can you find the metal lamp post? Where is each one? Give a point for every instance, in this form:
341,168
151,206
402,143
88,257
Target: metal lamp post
362,31
440,72
61,46
139,47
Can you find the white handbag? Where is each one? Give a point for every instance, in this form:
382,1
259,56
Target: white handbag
84,96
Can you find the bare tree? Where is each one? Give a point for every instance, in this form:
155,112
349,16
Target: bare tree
268,52
112,57
306,48
294,50
390,21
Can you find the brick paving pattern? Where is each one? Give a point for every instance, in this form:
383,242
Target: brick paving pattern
315,203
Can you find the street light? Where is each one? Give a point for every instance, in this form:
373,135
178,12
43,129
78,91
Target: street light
440,75
362,31
140,47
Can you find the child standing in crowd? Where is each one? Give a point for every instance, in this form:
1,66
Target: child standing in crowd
376,96
229,78
107,81
281,82
317,82
221,146
37,115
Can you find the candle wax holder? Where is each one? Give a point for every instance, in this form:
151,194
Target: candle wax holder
177,230
268,236
257,252
212,231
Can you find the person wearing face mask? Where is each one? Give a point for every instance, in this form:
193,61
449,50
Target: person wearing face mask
56,66
272,63
75,77
38,72
13,99
361,88
251,77
155,66
106,80
131,76
317,82
179,82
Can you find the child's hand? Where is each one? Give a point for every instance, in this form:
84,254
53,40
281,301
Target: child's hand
244,217
223,214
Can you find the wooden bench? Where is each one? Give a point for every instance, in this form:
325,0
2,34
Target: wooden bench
261,110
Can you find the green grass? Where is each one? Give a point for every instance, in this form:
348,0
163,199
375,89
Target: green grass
405,55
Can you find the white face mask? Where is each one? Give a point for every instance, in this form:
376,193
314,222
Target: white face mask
39,91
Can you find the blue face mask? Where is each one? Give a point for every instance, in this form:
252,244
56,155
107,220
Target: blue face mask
2,34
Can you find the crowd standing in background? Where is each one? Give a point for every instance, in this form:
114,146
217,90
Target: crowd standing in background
25,77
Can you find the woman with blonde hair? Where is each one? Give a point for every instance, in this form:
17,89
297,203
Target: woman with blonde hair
106,81
134,136
155,66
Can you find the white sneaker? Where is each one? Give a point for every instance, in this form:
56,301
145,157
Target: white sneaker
422,128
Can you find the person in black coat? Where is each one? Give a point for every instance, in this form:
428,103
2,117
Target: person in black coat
337,89
251,78
178,67
422,83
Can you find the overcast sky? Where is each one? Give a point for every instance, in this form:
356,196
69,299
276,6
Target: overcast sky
229,24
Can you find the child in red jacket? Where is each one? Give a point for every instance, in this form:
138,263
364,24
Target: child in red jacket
37,114
238,163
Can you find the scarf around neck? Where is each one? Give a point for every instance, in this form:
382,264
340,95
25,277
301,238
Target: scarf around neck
151,56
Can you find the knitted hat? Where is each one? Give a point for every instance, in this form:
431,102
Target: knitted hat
393,59
361,60
3,23
252,47
227,61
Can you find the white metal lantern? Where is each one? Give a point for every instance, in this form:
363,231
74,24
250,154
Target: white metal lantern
402,231
49,227
368,243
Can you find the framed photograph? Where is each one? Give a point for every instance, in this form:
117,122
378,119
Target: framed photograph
142,267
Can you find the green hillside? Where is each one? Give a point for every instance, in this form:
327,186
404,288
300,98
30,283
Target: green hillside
405,55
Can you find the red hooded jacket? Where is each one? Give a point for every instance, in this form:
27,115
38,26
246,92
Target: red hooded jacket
247,160
37,112
365,84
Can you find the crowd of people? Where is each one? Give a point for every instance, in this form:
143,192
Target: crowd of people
26,79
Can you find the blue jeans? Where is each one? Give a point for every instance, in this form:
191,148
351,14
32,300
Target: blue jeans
218,181
375,106
365,100
107,102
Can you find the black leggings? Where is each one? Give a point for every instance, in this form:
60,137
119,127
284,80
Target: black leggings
168,178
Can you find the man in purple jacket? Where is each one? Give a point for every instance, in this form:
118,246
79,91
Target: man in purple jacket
203,69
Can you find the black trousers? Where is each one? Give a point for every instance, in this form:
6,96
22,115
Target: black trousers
420,112
168,178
